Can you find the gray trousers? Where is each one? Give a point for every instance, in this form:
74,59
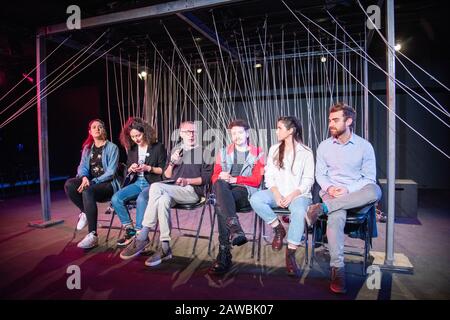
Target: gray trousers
162,197
337,214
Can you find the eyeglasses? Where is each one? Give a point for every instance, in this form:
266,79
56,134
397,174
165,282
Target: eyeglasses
188,131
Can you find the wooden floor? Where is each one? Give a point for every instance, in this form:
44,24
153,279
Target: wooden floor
33,262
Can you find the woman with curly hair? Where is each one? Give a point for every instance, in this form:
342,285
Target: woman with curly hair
145,159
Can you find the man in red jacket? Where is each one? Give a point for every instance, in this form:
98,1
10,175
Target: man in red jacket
237,175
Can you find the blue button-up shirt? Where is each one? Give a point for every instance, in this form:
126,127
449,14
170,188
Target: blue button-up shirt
351,165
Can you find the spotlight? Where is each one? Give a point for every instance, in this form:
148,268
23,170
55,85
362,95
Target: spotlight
323,59
397,47
28,78
142,75
199,70
197,39
258,65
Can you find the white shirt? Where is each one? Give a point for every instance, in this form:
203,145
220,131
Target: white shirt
300,177
142,153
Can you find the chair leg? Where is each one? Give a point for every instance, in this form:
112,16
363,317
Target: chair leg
212,229
178,220
313,246
366,252
306,243
110,225
75,229
198,229
261,227
154,234
255,221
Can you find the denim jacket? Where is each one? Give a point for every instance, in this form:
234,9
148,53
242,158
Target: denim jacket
252,170
110,161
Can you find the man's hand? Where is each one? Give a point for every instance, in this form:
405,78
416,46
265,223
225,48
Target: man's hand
224,175
176,158
182,182
340,191
84,184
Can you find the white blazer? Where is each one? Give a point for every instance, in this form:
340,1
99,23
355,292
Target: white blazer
300,177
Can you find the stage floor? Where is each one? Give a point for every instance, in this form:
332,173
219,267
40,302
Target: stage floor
33,262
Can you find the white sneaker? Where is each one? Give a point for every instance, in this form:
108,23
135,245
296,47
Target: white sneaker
82,221
90,241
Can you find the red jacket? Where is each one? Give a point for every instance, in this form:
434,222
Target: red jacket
257,172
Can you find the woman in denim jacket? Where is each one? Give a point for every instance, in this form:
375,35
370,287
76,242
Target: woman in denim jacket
95,180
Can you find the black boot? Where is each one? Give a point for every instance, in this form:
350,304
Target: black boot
222,264
237,235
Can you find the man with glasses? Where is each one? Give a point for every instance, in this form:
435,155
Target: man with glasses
186,175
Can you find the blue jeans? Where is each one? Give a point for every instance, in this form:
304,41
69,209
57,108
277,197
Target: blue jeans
137,190
263,201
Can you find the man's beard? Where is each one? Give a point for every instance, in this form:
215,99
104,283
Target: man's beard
337,133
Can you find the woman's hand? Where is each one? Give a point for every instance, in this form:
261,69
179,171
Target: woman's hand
84,184
287,201
279,199
133,168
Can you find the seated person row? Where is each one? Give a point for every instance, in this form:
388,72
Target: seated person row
186,176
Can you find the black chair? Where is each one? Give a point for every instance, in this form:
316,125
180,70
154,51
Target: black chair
120,175
203,202
241,210
283,212
358,220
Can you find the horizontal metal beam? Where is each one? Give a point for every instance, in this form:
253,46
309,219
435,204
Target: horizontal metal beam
78,46
153,11
198,25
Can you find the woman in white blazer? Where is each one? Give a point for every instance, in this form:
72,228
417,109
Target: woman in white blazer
289,176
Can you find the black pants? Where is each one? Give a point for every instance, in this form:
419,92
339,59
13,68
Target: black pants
87,200
230,199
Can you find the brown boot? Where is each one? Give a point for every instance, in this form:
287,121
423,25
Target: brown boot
279,234
338,280
292,267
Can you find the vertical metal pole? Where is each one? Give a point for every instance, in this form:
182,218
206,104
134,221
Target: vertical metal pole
41,72
366,94
390,20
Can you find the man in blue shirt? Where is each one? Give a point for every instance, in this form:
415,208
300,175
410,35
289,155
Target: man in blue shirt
346,173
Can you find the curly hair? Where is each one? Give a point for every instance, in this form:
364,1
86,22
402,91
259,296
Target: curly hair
139,125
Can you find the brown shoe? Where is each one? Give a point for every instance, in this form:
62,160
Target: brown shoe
291,263
279,234
314,211
338,280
